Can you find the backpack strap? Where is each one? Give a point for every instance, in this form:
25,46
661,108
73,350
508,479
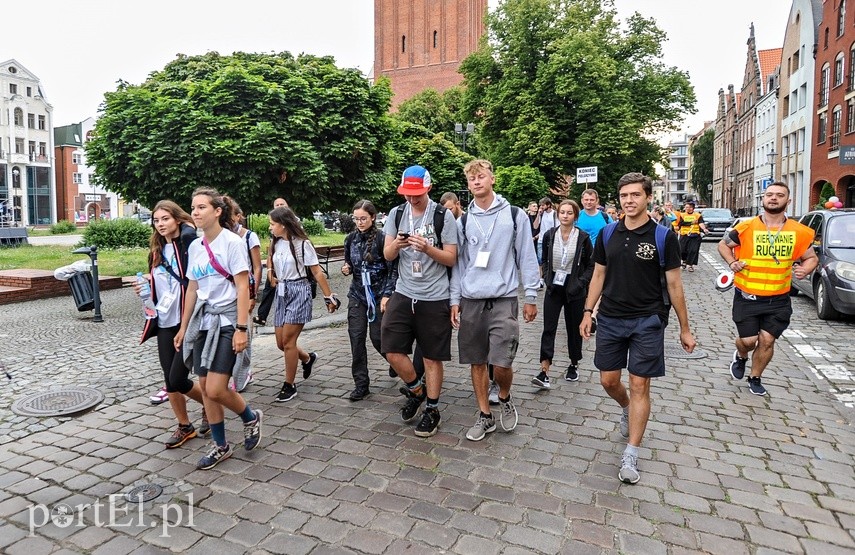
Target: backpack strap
605,217
607,232
399,213
439,223
661,234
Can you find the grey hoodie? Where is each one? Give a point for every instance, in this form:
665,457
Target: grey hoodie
501,277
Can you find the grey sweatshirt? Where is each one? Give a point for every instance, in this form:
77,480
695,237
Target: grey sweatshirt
501,277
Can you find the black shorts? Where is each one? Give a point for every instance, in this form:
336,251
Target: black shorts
225,357
770,315
407,320
637,344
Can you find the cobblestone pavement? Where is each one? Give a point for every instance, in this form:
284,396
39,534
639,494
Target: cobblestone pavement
722,471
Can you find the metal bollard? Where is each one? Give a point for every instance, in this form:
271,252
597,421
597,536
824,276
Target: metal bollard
93,254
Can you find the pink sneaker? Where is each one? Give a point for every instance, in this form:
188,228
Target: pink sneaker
160,397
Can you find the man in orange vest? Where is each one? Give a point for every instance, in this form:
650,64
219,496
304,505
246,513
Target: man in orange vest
764,253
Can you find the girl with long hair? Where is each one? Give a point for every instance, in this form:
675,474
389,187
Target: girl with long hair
293,256
567,271
214,326
373,283
167,261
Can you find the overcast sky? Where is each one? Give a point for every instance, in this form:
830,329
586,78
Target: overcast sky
80,49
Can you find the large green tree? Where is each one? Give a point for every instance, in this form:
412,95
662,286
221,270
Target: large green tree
702,165
238,123
562,84
438,112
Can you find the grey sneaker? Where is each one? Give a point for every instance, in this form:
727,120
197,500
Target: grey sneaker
624,423
508,416
628,473
252,431
737,366
494,393
482,427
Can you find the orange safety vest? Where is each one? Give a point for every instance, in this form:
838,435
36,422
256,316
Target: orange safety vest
759,248
687,224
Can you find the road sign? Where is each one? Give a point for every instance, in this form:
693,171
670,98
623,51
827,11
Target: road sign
765,183
586,175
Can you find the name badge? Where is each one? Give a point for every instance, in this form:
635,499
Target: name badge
482,258
560,277
280,288
165,302
417,268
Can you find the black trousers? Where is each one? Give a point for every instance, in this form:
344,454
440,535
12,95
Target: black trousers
690,246
573,310
268,294
175,374
358,327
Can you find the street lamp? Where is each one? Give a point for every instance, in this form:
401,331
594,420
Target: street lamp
463,132
16,195
771,156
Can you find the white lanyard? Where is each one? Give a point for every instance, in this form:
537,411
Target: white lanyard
489,233
564,246
421,218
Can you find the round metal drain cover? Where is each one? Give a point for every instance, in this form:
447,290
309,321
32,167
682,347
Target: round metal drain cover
678,352
60,402
143,493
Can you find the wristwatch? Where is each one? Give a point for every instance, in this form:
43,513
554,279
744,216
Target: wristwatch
240,327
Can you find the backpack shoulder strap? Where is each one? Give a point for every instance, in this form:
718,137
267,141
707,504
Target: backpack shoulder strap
399,213
608,231
439,223
605,217
661,234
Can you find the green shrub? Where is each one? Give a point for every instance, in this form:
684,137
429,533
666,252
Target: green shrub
63,226
115,234
260,224
313,226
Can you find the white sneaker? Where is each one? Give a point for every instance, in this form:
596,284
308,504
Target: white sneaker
628,472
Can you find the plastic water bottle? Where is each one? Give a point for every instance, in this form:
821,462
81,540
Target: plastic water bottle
149,310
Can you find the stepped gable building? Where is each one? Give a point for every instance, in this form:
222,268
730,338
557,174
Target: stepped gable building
419,44
833,104
797,102
724,148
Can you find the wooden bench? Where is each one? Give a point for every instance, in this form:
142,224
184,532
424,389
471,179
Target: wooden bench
327,255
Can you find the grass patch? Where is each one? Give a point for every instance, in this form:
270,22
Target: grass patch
47,232
118,262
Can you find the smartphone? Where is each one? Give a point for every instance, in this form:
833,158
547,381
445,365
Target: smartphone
404,236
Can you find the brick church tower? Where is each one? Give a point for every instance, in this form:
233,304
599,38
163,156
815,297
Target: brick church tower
419,44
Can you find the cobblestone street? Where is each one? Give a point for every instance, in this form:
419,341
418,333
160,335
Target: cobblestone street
722,471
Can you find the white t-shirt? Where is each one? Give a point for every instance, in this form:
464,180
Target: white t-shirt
548,220
166,285
230,251
284,263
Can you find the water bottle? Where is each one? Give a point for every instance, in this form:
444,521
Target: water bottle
149,310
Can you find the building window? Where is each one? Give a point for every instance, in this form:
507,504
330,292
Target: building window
795,62
42,123
825,40
19,117
76,158
851,69
802,96
19,146
13,88
823,86
31,121
838,70
850,115
434,38
835,128
32,150
29,91
77,178
42,149
821,128
403,43
841,18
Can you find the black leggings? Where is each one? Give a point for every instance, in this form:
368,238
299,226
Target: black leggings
175,374
573,310
690,246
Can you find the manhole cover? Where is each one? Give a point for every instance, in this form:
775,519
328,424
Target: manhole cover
61,402
678,352
143,493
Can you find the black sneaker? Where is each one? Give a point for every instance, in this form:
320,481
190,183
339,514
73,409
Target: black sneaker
429,423
755,386
411,407
181,435
392,373
214,456
359,394
307,366
737,366
541,380
288,392
572,374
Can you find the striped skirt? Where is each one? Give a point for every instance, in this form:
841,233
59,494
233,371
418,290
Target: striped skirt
295,306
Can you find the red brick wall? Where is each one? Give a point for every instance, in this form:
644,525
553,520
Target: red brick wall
28,285
419,44
66,189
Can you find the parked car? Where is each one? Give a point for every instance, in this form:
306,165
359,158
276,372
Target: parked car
832,284
735,223
717,221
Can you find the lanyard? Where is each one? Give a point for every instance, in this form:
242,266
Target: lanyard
565,246
489,233
773,239
369,296
421,218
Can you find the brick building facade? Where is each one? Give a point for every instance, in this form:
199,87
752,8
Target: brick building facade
419,44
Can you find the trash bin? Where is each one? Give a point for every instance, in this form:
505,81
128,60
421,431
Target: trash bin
81,290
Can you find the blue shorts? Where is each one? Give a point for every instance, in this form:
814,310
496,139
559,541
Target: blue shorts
637,344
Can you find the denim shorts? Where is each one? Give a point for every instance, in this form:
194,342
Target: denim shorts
637,344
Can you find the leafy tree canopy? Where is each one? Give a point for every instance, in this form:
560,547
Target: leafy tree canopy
702,165
521,184
562,84
237,123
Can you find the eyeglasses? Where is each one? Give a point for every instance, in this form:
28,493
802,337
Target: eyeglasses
360,220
